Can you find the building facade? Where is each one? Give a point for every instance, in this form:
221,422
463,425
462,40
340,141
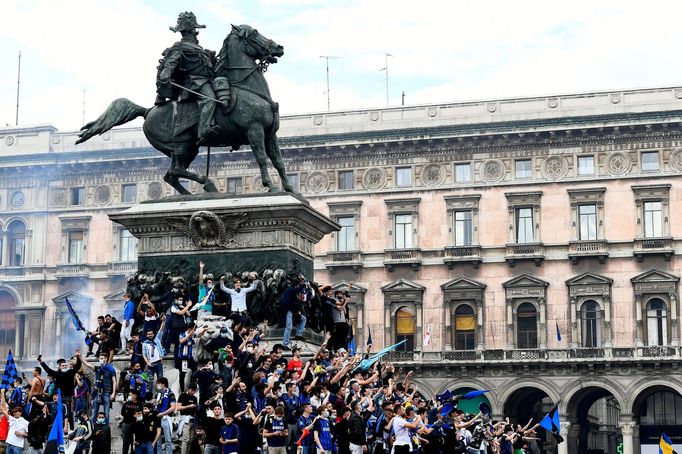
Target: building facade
528,246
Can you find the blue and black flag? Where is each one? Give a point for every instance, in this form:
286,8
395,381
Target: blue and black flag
55,441
551,422
77,321
10,372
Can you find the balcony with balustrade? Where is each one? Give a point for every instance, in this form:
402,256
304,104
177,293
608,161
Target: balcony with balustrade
525,251
343,259
123,268
662,246
453,255
588,248
72,270
403,257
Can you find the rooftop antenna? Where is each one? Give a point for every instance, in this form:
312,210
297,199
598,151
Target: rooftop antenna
83,122
385,68
327,57
18,83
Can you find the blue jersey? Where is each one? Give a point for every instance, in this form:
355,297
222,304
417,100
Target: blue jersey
164,399
276,425
324,433
303,422
230,433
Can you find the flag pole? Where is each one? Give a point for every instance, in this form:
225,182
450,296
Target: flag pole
16,119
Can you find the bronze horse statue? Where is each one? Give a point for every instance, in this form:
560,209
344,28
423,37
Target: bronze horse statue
252,118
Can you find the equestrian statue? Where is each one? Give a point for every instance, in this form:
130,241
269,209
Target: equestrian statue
207,99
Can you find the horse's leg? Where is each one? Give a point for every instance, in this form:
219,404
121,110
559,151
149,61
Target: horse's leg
256,137
175,182
272,149
180,160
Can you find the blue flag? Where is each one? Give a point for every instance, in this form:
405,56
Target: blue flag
351,342
446,396
558,332
551,420
74,317
10,372
369,338
55,441
472,394
367,363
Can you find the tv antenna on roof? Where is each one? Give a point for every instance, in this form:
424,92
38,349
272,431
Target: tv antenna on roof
385,68
327,57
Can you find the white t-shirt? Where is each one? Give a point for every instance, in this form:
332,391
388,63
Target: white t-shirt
402,433
16,425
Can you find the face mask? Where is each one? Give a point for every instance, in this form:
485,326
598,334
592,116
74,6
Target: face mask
249,349
100,420
82,419
139,418
130,398
160,388
102,363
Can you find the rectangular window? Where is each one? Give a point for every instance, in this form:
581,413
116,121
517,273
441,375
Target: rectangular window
462,173
345,180
463,228
346,236
127,244
524,225
588,222
77,196
76,249
403,231
586,165
653,219
129,193
403,176
16,251
234,185
293,180
650,161
522,169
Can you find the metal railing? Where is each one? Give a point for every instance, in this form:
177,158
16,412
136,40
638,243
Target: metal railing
403,255
588,247
342,257
525,249
72,269
462,251
122,267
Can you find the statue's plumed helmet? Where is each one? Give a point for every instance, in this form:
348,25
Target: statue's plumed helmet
187,22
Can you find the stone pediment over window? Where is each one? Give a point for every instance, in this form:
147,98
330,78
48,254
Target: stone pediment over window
462,288
655,281
525,280
589,283
588,279
357,293
403,291
77,300
115,296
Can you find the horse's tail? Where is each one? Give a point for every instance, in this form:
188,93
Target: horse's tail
120,111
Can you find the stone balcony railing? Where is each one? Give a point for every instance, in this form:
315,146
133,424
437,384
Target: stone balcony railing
653,246
72,270
343,259
588,248
405,256
550,355
525,251
121,268
12,271
462,254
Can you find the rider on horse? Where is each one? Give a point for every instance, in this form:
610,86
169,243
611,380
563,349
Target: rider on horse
189,65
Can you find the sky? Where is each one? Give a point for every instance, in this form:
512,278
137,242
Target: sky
79,55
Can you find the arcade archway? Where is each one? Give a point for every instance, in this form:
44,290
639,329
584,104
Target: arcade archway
594,412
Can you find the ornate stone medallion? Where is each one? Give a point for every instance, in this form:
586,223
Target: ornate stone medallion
554,167
374,178
618,163
59,198
102,195
154,190
207,229
493,170
676,159
433,175
317,182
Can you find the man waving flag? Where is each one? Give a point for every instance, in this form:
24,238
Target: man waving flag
55,441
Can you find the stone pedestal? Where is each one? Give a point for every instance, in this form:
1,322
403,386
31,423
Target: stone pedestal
229,233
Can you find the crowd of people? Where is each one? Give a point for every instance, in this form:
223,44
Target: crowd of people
242,395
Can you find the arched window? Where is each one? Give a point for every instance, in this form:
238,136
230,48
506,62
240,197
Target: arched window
8,322
465,327
16,233
657,322
527,326
590,317
405,325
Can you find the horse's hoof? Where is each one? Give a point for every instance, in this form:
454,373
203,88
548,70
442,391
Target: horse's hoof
209,186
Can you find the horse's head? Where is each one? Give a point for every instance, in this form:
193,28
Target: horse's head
256,45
